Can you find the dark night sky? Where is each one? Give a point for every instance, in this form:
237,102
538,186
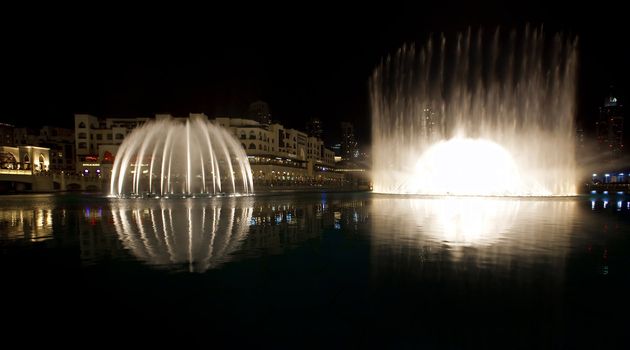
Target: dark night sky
307,61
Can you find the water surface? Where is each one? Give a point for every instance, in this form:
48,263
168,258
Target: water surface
333,270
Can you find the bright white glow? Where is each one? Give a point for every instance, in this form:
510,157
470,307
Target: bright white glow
422,97
464,166
466,221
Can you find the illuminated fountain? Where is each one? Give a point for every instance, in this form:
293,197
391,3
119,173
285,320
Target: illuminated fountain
171,157
476,115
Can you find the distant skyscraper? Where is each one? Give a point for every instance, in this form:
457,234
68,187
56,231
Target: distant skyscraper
580,139
610,127
259,111
314,128
6,135
349,144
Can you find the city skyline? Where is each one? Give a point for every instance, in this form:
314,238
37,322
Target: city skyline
140,66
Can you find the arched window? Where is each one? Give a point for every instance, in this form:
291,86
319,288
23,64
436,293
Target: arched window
42,166
82,125
243,136
27,159
7,161
252,135
252,146
82,135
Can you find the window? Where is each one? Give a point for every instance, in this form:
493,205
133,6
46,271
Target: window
119,136
108,157
82,125
252,136
252,146
260,147
82,135
244,147
99,136
109,136
82,144
243,136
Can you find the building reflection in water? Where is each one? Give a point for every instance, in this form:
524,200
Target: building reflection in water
196,235
26,224
190,234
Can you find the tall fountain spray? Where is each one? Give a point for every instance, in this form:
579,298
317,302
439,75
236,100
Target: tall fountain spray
477,114
171,157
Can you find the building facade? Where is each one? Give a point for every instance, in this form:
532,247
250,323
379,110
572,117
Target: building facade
97,141
278,156
24,160
283,156
609,128
260,112
349,144
59,141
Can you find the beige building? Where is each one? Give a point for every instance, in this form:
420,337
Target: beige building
26,160
283,156
97,141
278,155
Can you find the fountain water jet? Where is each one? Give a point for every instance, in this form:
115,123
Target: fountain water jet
477,115
194,157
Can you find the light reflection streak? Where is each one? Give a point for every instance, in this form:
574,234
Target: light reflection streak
30,224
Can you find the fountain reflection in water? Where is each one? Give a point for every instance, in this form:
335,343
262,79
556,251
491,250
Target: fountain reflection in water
491,230
183,234
170,157
479,114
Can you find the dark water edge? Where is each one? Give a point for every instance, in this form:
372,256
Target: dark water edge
376,279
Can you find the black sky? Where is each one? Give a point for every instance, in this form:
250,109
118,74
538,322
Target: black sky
306,61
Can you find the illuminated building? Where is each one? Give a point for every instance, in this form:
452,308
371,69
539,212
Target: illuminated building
610,128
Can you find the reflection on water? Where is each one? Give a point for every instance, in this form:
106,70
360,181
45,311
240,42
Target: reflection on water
490,231
411,269
203,234
29,224
175,233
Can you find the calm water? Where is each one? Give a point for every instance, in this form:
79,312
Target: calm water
326,270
